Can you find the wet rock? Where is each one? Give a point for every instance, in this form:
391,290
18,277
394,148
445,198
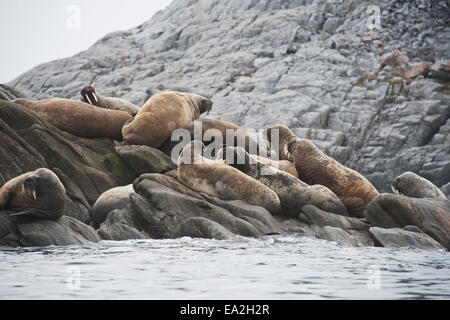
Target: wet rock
257,216
198,227
432,216
121,225
337,234
161,211
66,231
396,238
322,218
115,198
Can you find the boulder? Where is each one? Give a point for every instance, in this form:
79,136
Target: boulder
440,70
161,211
321,218
396,238
145,159
115,198
28,232
121,225
198,227
431,215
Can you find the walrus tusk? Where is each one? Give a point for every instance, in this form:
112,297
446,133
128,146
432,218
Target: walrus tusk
95,97
22,213
87,97
34,194
395,190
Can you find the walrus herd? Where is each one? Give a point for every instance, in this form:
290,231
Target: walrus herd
296,174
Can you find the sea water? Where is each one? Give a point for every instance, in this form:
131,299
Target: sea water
273,267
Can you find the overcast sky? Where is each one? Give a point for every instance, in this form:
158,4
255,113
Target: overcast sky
37,31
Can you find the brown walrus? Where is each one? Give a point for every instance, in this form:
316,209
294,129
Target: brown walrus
161,115
292,192
38,194
214,129
78,118
88,95
216,178
315,167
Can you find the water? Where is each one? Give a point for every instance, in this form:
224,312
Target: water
274,267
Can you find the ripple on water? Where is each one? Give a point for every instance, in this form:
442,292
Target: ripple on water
274,267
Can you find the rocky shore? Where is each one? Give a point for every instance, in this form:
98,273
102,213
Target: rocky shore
375,99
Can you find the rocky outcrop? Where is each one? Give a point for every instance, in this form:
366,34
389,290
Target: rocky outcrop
396,237
314,64
65,231
377,100
430,215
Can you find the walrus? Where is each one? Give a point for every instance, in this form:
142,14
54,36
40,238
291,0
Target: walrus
236,135
282,165
292,192
78,118
414,186
315,167
38,194
161,115
216,178
90,96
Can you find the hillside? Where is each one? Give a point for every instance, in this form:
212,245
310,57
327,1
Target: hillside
314,66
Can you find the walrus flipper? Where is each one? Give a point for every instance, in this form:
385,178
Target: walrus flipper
355,206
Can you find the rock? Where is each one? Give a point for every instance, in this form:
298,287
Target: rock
337,234
66,231
115,198
440,70
9,235
421,68
322,218
258,58
29,143
121,225
161,211
432,216
145,159
395,58
257,216
396,238
87,232
198,227
7,93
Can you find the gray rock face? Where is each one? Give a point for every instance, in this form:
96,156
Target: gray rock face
396,237
65,231
300,63
430,215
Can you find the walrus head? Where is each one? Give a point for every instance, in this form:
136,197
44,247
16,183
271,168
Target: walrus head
43,195
88,95
412,185
205,106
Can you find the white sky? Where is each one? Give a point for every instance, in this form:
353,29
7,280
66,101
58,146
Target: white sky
38,31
